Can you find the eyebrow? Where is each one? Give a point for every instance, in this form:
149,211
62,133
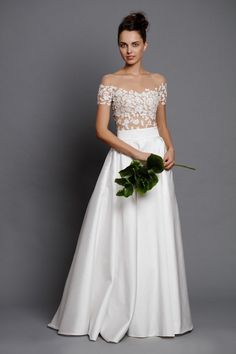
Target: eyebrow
131,43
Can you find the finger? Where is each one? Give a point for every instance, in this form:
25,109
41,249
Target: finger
169,165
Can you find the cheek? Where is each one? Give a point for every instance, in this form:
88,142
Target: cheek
137,51
140,51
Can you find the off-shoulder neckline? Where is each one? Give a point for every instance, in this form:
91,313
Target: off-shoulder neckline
155,89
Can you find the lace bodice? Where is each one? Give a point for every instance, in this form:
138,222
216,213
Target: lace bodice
133,109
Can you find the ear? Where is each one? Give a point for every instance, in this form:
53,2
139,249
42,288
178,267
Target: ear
145,46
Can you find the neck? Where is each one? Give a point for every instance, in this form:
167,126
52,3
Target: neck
134,69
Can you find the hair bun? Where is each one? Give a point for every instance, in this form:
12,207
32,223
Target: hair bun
134,21
140,18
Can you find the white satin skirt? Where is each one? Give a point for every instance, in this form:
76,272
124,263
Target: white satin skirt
127,276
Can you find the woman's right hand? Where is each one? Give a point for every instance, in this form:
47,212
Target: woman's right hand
143,156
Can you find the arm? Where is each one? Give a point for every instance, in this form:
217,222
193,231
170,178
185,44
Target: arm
106,135
169,158
162,126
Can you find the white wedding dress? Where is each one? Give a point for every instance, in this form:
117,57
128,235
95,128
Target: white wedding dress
128,271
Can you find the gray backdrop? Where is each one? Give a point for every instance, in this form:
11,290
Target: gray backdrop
53,54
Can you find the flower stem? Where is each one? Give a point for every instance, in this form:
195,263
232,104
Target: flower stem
177,164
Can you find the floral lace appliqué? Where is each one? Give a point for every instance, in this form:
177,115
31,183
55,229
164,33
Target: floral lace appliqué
132,109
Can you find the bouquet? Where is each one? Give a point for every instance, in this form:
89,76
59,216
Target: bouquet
141,177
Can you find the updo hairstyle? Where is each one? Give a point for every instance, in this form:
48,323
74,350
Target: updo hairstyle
135,21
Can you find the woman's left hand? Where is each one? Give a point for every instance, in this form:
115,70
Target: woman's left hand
169,159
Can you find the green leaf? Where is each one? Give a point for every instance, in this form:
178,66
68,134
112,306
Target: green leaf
141,184
155,162
126,191
122,181
129,170
152,180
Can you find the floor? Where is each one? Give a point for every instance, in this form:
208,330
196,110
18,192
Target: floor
25,331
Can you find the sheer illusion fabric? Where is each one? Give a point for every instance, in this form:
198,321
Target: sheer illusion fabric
132,109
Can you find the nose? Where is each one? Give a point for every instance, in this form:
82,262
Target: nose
128,50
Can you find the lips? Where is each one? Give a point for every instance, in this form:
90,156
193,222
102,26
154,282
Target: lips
131,57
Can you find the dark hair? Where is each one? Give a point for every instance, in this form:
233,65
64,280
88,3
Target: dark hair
135,21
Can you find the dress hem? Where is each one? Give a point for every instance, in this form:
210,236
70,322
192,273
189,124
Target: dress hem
129,335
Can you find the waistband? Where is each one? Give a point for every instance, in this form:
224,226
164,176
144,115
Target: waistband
138,132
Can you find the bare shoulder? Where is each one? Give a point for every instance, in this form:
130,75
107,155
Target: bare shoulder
159,78
112,78
106,79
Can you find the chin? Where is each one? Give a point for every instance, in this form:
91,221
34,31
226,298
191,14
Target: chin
130,62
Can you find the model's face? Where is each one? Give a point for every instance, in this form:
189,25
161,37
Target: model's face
131,46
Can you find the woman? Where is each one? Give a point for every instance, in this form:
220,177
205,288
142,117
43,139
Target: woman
128,273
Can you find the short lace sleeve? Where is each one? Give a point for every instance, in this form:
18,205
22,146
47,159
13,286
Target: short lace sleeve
105,90
163,93
104,95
